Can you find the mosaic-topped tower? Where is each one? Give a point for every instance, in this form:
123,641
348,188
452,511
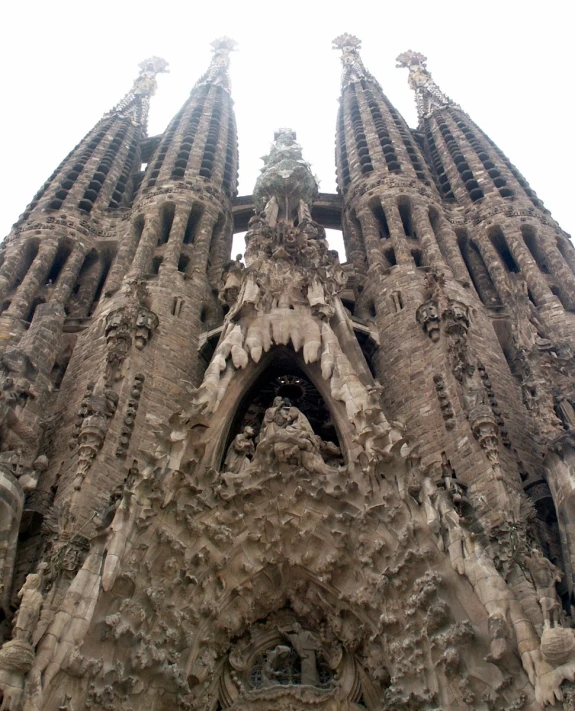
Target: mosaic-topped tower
279,482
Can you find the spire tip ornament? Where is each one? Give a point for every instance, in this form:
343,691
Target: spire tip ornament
135,105
217,73
428,96
346,40
353,69
224,44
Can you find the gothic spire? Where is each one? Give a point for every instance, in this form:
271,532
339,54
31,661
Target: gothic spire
372,136
427,94
136,103
217,73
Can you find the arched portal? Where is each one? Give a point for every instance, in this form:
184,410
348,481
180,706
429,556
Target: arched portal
284,378
256,384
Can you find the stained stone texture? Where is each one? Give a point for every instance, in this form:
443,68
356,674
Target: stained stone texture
276,482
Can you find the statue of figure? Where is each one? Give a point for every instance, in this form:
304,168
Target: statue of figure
545,575
472,390
287,434
273,659
29,610
146,324
306,643
232,281
442,515
240,451
428,316
97,411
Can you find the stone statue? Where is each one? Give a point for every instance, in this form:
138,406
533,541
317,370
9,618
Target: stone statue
240,451
545,575
29,610
306,643
273,658
232,281
287,436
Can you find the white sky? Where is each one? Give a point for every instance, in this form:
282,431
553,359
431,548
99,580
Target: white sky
508,64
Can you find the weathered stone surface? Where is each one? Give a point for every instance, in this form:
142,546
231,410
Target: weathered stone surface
278,482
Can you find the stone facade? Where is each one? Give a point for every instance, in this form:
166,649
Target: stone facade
279,482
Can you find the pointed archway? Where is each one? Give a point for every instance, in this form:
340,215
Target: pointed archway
280,372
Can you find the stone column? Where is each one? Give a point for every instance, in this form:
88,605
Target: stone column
34,279
221,247
9,270
176,238
494,267
558,266
431,254
529,268
11,506
201,250
396,232
481,279
68,275
123,259
568,252
356,252
143,259
447,240
371,238
88,288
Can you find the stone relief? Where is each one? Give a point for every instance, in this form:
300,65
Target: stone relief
132,322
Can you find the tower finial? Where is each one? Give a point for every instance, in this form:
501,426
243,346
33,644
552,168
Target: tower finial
353,69
136,103
286,187
217,73
427,94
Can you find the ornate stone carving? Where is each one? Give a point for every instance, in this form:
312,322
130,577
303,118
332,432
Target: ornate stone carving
217,73
353,69
286,185
428,96
129,419
146,324
444,403
428,316
136,103
92,426
132,321
240,452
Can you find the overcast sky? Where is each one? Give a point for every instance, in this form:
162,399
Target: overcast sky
508,64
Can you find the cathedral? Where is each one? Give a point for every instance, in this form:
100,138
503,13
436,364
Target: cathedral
278,482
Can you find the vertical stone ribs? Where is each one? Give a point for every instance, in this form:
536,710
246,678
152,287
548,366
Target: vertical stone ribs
385,141
344,176
440,173
359,133
191,121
